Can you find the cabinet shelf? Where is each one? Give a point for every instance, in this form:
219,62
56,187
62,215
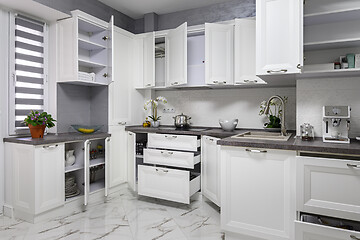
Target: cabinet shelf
351,72
83,83
97,162
88,45
97,185
332,16
73,168
90,64
332,44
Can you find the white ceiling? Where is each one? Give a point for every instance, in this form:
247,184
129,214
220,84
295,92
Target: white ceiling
137,8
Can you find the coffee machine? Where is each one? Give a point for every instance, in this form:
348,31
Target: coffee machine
336,124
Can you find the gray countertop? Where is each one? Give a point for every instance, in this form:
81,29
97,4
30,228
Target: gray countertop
294,143
56,138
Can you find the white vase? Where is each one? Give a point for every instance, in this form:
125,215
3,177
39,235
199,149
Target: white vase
70,158
155,124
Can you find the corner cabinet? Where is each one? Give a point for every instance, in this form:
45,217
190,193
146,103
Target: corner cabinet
279,43
85,50
257,193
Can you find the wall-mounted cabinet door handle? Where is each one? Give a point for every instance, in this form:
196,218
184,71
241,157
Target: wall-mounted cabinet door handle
105,75
105,38
51,147
130,134
277,71
354,237
255,150
353,165
299,66
148,85
122,123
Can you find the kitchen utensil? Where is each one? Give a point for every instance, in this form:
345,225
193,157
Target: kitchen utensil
227,125
87,129
307,132
336,124
182,121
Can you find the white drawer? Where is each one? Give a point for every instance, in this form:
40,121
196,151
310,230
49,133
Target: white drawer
309,231
171,158
169,184
329,187
175,142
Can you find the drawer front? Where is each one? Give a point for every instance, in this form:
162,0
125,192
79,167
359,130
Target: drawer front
175,142
329,187
309,231
171,158
168,184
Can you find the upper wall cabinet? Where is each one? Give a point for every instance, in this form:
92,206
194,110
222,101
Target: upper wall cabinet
219,54
176,56
85,50
245,53
279,37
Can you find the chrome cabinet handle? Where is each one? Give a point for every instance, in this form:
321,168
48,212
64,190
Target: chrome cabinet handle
255,150
175,83
105,38
277,71
299,66
250,81
354,237
50,147
215,81
353,165
130,134
163,170
168,153
105,75
224,82
148,85
121,123
171,136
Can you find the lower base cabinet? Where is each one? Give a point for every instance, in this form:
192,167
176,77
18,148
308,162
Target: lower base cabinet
257,193
169,184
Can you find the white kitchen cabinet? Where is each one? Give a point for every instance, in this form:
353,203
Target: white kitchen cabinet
85,50
219,54
131,157
176,56
117,170
210,169
171,158
149,59
328,187
279,44
245,52
257,196
38,178
172,141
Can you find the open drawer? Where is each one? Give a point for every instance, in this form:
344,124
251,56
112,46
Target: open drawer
313,227
169,184
328,186
171,158
175,142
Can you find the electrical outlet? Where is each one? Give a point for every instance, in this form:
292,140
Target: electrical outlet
168,110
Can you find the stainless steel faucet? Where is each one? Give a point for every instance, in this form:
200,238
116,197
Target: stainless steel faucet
267,108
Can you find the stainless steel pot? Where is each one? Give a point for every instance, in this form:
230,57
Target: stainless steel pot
182,121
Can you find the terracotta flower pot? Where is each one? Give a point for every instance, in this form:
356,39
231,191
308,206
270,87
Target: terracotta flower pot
37,131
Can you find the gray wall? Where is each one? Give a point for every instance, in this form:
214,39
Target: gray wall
213,13
92,7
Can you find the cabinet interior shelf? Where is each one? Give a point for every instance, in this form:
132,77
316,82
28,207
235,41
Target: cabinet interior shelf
90,64
332,44
97,162
73,168
350,72
332,16
97,185
83,83
87,45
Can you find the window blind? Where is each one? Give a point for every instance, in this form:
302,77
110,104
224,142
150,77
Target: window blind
29,70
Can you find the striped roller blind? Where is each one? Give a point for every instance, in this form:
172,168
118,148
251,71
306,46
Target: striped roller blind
29,72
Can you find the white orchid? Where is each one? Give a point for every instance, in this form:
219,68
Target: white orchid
154,105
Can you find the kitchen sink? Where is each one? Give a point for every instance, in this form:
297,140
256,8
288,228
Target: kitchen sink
263,136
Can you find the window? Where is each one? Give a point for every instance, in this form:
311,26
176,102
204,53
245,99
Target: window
28,84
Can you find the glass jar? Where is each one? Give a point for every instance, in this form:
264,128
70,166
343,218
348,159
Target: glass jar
307,132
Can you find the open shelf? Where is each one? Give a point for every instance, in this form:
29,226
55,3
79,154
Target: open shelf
97,185
97,162
332,16
89,27
88,45
83,83
350,72
73,168
90,64
332,44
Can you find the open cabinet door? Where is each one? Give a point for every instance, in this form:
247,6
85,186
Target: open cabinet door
110,46
107,158
219,54
176,54
149,59
86,171
132,160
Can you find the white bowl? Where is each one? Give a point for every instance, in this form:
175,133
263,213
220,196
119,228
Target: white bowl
227,125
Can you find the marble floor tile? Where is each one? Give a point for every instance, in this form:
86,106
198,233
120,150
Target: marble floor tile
125,216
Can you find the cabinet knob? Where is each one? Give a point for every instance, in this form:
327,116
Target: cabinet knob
105,75
105,38
277,71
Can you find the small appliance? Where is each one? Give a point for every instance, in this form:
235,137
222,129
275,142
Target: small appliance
336,124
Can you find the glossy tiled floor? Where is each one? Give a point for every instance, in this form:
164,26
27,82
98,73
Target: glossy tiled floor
125,217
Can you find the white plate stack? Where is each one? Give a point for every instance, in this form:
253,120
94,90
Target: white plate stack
71,189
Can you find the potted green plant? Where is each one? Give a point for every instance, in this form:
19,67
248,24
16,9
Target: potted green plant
37,123
274,116
154,114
